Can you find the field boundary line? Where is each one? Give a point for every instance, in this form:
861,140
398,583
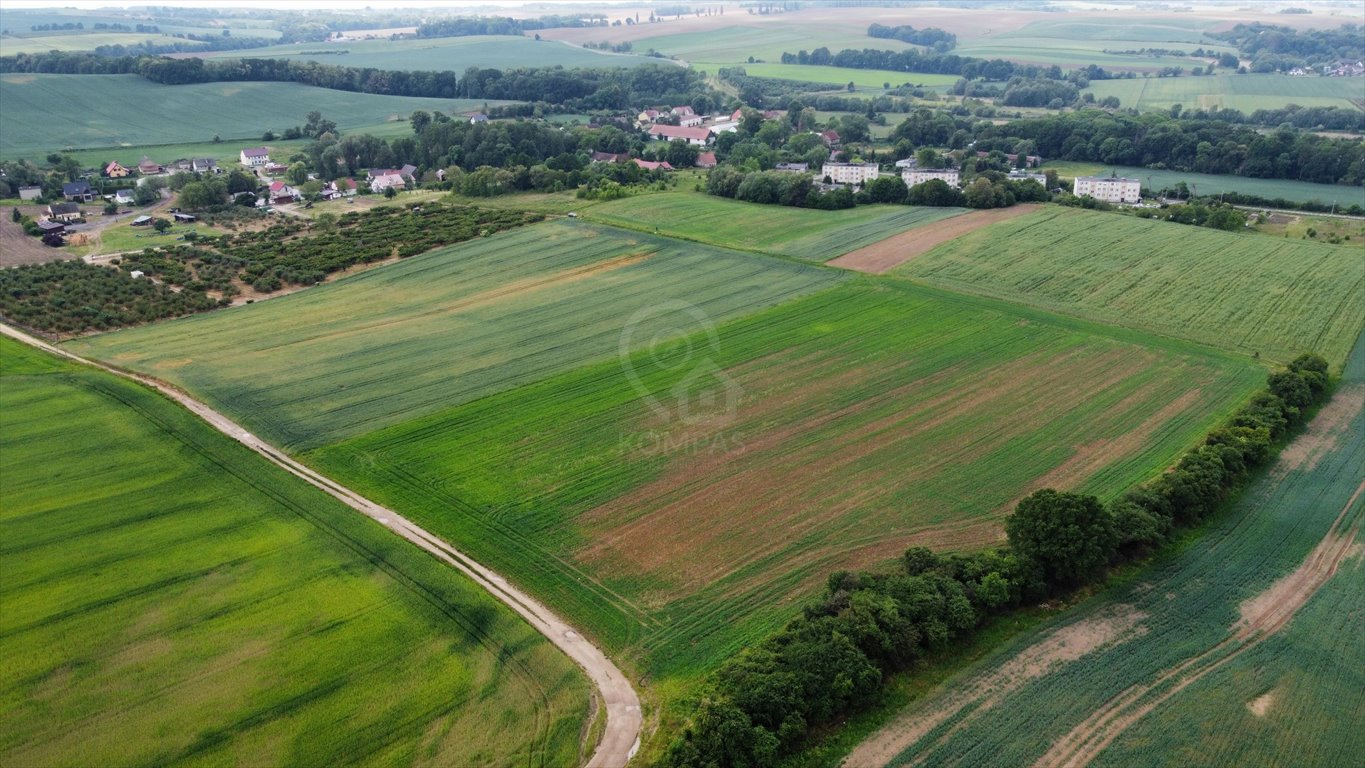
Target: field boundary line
621,736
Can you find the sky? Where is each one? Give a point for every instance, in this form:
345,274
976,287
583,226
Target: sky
287,4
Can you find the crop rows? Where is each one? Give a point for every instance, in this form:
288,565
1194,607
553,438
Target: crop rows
439,329
1276,696
1252,294
805,234
679,523
169,597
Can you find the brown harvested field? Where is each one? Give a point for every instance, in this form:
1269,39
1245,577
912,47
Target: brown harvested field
892,252
18,248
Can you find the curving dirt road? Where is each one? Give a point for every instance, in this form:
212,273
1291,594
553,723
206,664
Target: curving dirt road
620,738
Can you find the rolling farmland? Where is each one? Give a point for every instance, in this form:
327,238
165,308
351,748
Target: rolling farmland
1215,656
48,112
837,77
172,598
444,53
1273,297
1247,93
460,323
806,234
683,502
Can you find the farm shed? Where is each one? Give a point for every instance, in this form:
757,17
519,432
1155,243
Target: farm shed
183,218
142,221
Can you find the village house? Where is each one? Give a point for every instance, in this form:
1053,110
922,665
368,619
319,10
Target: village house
339,188
204,165
64,212
849,173
147,167
478,117
706,160
280,192
682,112
1110,189
387,180
695,136
30,193
793,167
1026,176
830,138
908,162
610,157
692,121
275,169
124,197
255,157
50,227
115,171
652,166
78,191
647,116
914,176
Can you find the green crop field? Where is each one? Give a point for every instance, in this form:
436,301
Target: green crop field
1211,184
682,501
841,76
1246,93
36,43
734,45
44,113
460,323
445,53
1243,292
1173,638
801,233
170,598
1070,41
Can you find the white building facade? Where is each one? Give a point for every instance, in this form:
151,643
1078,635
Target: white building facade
1108,189
850,173
913,176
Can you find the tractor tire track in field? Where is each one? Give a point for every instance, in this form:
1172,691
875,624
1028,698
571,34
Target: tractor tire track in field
1262,617
620,737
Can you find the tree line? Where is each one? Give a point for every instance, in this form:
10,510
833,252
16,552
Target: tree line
832,660
929,37
1272,47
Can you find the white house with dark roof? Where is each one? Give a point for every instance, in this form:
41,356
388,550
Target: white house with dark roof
255,157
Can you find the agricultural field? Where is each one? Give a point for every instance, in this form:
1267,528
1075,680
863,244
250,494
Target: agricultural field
443,53
172,598
11,45
683,500
841,76
809,235
1212,184
1246,93
461,322
1273,298
1217,655
730,41
44,113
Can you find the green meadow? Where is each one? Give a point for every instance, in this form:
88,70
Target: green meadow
1211,184
171,598
444,53
841,76
45,113
1238,291
1246,93
805,234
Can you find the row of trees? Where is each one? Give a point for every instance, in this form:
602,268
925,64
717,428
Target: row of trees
1272,47
930,37
832,659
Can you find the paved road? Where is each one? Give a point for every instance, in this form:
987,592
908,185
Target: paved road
620,739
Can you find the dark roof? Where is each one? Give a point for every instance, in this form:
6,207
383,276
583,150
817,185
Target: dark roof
50,226
76,188
64,208
256,152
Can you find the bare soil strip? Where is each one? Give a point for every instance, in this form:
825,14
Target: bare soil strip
621,736
894,251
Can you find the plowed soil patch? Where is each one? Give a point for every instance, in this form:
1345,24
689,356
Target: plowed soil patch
892,252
